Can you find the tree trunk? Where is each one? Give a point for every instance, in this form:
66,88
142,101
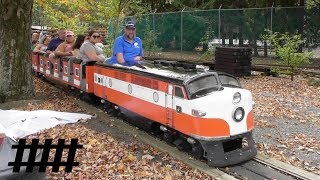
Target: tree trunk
265,49
223,39
230,39
301,17
15,50
255,47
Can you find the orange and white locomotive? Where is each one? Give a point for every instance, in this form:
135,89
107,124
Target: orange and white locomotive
204,112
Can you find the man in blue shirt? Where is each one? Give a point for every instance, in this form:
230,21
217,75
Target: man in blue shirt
54,43
127,49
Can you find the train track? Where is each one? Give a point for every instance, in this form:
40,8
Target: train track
261,167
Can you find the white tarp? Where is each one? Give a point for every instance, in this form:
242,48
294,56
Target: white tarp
18,124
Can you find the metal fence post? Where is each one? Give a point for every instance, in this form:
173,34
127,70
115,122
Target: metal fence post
181,31
271,26
153,27
219,23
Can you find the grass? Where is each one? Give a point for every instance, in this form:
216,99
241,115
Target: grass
314,82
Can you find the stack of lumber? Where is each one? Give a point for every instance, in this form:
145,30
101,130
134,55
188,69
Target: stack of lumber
233,60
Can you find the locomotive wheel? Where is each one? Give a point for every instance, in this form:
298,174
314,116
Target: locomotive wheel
181,144
110,109
197,150
168,137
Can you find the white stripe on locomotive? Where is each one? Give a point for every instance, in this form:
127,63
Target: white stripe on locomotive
220,106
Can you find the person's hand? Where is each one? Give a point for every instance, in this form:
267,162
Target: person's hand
137,58
70,53
137,64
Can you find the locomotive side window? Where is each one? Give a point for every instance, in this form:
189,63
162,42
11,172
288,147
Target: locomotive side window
178,92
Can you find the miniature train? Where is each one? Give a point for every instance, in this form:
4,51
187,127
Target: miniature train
204,112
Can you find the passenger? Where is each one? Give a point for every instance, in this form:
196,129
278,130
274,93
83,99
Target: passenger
89,51
127,49
65,48
76,46
55,42
34,40
100,44
42,47
58,40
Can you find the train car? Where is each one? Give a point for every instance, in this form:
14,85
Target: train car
206,112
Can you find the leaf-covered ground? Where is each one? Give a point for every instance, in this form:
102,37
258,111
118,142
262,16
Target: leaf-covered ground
287,119
103,156
287,116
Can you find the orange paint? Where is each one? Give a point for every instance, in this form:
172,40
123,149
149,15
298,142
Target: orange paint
42,61
250,123
35,60
90,79
136,79
99,90
76,75
187,124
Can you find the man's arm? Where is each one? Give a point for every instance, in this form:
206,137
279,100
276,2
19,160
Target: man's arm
120,58
60,51
118,50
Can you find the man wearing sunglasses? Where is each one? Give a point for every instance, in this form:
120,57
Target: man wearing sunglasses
127,49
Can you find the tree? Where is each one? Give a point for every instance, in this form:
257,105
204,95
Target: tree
286,47
15,63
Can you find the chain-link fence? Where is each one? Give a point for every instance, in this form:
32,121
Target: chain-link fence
194,33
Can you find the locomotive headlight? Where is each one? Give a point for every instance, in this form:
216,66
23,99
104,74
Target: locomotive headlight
198,113
236,98
238,114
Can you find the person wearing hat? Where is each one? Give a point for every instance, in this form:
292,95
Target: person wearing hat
127,49
65,48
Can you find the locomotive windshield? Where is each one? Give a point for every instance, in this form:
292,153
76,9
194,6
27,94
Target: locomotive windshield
202,86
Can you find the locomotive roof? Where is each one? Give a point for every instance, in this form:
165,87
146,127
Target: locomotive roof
167,73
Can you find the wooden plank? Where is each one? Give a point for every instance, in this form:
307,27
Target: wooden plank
241,171
265,171
300,173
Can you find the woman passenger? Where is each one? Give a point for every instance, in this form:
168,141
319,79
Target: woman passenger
65,48
43,47
76,47
89,51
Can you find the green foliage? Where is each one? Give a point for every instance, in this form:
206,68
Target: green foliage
207,55
286,47
314,82
193,26
108,48
149,41
170,27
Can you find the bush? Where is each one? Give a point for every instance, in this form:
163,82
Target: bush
286,47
